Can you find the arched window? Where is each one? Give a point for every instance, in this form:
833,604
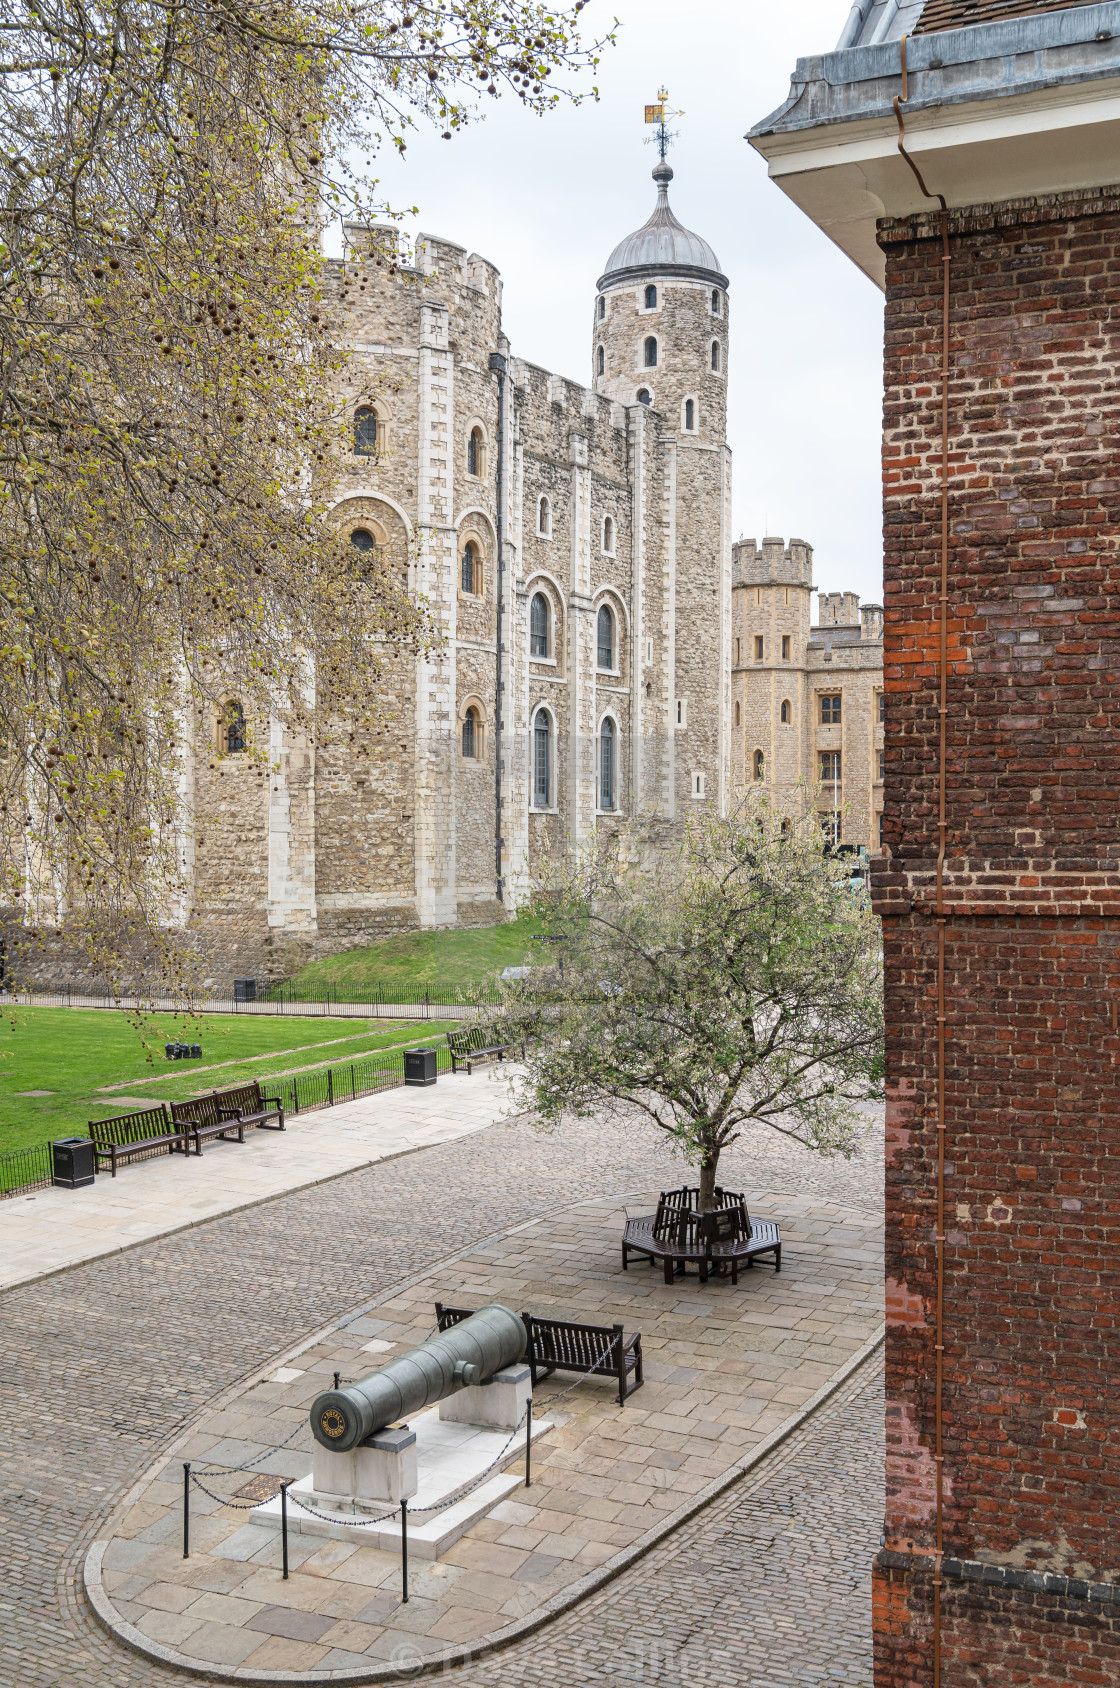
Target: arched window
231,728
542,760
602,306
608,536
538,625
601,361
786,711
737,713
606,764
651,298
717,302
471,573
605,638
544,517
475,452
471,734
689,415
650,355
759,761
644,396
715,355
365,431
362,540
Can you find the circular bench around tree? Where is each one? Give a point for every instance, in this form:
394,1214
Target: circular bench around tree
679,1235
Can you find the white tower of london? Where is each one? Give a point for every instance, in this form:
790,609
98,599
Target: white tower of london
573,543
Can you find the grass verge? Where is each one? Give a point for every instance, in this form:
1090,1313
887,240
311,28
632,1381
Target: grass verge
452,959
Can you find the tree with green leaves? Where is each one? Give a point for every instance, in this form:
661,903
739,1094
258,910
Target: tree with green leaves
170,425
735,979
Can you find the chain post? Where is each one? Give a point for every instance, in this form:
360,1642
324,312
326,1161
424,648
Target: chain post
186,1509
284,1523
404,1553
528,1441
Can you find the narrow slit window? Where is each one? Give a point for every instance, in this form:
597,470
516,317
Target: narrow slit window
606,764
759,764
471,573
689,415
715,356
651,353
544,518
601,361
608,536
470,735
651,298
787,713
542,752
233,738
475,452
785,647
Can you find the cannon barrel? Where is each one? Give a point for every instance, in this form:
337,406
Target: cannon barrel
468,1353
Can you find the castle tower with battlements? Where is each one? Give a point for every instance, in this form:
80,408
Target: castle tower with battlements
573,544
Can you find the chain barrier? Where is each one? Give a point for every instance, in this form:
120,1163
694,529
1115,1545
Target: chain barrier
414,1511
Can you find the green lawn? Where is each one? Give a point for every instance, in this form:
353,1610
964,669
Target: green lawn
74,1052
454,959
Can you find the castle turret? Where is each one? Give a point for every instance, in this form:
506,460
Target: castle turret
660,331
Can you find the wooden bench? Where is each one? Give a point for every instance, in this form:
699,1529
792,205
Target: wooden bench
565,1345
677,1236
470,1046
246,1102
202,1117
125,1136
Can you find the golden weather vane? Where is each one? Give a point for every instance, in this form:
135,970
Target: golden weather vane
662,115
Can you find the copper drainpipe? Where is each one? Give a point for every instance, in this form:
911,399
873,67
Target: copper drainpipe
942,729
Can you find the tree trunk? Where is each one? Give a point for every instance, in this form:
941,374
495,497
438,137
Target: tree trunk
708,1168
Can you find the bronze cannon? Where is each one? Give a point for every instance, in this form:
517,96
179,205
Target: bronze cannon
471,1352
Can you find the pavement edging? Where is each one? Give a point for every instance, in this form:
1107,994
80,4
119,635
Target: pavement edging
355,1677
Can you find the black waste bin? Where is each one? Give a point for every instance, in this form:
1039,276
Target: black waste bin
72,1162
244,990
419,1066
196,1051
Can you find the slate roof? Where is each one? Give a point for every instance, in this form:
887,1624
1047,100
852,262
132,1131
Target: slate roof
956,14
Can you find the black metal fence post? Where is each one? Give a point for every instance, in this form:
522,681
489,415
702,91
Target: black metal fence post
330,1088
186,1509
404,1553
284,1522
528,1442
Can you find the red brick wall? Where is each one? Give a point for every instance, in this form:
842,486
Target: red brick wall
1032,1291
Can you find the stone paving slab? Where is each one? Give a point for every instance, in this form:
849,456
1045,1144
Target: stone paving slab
52,1229
725,1368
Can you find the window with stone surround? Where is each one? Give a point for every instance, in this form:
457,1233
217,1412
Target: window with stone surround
689,416
606,763
651,298
231,728
365,431
602,306
470,570
785,647
601,361
882,766
759,764
717,302
476,452
472,735
644,396
715,356
544,517
604,627
649,352
542,759
882,706
737,712
787,712
830,767
608,536
759,647
830,709
538,625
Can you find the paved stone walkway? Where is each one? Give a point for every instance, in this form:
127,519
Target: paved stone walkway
55,1228
103,1365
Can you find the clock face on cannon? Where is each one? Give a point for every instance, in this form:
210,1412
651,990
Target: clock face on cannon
332,1422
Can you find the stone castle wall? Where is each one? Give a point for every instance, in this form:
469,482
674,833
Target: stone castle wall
783,668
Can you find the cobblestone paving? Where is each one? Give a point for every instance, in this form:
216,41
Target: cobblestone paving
101,1366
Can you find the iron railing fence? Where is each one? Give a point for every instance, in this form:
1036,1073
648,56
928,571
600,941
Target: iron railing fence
23,1170
374,1002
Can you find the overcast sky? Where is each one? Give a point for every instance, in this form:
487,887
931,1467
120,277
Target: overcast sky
546,199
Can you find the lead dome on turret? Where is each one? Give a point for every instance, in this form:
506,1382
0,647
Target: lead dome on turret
662,246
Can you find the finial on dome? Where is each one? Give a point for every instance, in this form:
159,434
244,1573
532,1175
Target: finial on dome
662,175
